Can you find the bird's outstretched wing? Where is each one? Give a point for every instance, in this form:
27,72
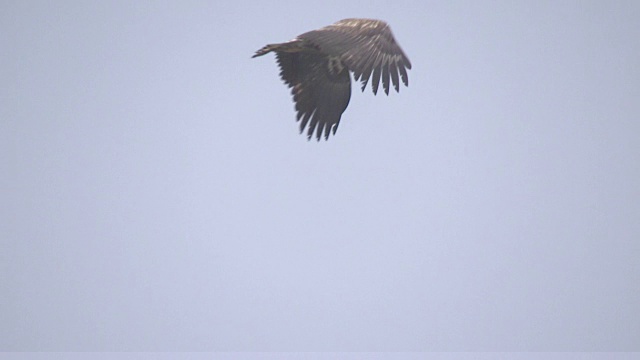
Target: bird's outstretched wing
367,47
320,95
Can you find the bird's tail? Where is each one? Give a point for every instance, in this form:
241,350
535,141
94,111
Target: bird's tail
266,49
292,46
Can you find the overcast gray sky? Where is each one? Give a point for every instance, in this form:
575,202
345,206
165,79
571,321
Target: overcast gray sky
155,193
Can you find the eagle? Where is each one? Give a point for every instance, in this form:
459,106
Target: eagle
316,66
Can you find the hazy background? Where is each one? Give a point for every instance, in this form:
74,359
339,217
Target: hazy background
155,193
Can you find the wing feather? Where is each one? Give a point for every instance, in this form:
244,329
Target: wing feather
375,79
368,65
393,70
385,74
403,75
320,95
366,47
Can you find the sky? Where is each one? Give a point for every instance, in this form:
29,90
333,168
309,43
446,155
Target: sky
155,194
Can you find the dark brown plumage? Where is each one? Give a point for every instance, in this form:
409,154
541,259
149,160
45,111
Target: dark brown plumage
316,65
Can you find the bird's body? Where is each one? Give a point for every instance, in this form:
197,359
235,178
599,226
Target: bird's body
316,65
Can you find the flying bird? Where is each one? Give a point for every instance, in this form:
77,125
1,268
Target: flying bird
316,65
